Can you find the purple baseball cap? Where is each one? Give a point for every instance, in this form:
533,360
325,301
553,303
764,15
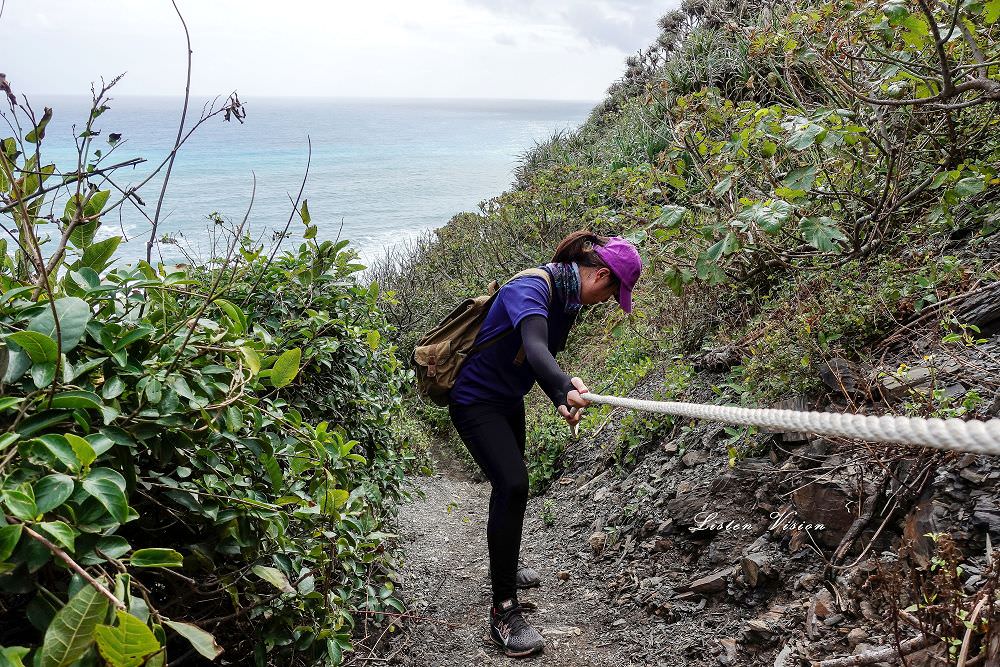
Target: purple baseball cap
624,261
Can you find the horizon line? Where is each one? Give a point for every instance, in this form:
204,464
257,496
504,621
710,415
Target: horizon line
333,97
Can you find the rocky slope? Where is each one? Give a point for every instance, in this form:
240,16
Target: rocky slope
802,550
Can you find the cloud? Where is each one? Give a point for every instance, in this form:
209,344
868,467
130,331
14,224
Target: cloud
625,25
516,49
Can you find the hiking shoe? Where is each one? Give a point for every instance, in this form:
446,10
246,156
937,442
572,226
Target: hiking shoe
527,577
511,632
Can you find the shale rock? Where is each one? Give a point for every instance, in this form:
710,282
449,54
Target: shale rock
825,502
710,583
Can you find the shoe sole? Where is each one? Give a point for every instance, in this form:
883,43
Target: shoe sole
516,654
525,586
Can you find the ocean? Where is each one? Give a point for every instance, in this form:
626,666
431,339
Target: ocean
385,169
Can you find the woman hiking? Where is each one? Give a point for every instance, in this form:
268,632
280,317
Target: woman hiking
486,403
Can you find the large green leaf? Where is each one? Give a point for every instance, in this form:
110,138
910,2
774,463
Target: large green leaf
253,359
55,448
8,402
723,186
83,235
140,332
158,659
671,216
971,185
675,279
9,535
334,650
77,399
274,577
769,215
15,292
83,367
38,346
916,32
112,546
126,644
234,314
72,629
41,421
202,641
804,135
21,502
286,367
895,9
108,492
801,178
60,531
42,374
709,269
113,387
156,557
83,281
110,475
821,232
991,11
73,312
96,203
8,439
18,361
34,180
83,450
37,133
96,256
334,499
52,491
13,656
729,244
273,471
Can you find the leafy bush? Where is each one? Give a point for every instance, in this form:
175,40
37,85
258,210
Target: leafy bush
547,440
191,460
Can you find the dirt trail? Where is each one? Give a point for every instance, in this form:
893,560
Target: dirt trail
446,578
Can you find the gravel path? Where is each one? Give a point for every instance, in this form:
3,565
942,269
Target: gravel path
446,578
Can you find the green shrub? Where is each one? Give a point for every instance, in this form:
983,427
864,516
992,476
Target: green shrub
547,440
215,444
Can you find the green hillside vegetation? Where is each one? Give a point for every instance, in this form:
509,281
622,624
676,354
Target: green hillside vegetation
800,179
193,458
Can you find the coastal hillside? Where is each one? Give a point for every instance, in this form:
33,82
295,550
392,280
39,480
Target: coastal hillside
225,461
813,187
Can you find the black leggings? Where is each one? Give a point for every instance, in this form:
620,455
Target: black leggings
495,437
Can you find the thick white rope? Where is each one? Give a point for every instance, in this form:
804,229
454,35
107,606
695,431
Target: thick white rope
967,436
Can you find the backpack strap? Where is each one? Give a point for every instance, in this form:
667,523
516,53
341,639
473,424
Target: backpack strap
538,273
520,357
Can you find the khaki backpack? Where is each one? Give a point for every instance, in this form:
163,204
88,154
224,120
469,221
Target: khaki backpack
439,353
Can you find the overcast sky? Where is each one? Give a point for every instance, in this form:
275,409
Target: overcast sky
532,49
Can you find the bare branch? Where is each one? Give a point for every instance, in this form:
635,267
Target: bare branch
70,563
291,216
177,142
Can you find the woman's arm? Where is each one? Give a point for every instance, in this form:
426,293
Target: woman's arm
554,382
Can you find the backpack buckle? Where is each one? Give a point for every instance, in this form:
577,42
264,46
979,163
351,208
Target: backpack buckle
431,366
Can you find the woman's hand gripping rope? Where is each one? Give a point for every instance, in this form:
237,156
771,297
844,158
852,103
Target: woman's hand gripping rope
576,403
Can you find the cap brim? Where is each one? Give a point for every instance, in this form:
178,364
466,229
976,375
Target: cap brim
625,299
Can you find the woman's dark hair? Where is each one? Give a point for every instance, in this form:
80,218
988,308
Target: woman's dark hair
579,247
